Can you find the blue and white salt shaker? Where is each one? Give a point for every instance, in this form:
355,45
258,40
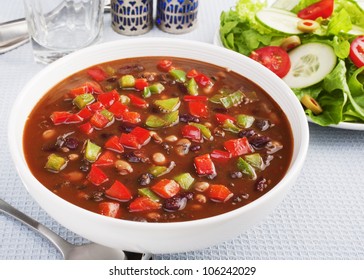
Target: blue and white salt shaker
131,17
177,16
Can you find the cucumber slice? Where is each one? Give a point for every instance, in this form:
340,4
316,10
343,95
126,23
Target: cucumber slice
285,4
356,30
310,63
279,20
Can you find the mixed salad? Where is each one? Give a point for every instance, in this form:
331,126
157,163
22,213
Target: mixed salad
316,47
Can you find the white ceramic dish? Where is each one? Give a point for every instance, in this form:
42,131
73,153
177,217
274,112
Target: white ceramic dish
342,125
154,237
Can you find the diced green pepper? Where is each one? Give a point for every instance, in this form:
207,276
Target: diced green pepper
124,99
185,180
92,151
148,193
127,81
107,114
167,105
55,163
166,120
228,125
157,170
216,98
83,100
110,70
192,87
244,121
206,132
246,168
156,88
147,92
178,75
232,99
255,160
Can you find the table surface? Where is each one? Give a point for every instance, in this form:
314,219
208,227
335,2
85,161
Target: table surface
322,217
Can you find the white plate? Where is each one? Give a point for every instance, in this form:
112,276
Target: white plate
342,125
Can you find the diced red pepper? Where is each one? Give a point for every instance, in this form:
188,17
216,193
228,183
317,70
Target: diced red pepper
142,135
141,83
200,98
97,74
96,176
203,80
119,191
131,117
219,193
96,106
143,203
165,65
221,118
166,188
192,73
98,120
198,109
85,113
118,109
62,117
113,144
107,158
137,101
86,128
88,87
205,166
110,209
109,98
192,132
238,147
129,141
221,156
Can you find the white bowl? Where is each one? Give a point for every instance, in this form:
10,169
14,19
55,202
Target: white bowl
156,237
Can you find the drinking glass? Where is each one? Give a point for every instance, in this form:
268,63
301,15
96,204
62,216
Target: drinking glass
59,27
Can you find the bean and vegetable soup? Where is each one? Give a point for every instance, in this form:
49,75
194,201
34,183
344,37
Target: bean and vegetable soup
158,139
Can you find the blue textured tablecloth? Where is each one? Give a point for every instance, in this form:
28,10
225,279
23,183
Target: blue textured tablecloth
321,218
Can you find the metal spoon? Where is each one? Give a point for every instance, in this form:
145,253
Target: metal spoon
90,251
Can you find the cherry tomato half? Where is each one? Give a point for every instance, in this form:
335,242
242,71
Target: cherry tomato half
274,58
357,51
322,9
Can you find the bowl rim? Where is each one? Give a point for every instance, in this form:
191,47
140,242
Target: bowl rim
28,178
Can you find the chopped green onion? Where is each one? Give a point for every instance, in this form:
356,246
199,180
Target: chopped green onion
92,151
244,121
185,180
83,100
127,81
192,87
178,75
246,168
167,105
55,163
206,132
148,193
